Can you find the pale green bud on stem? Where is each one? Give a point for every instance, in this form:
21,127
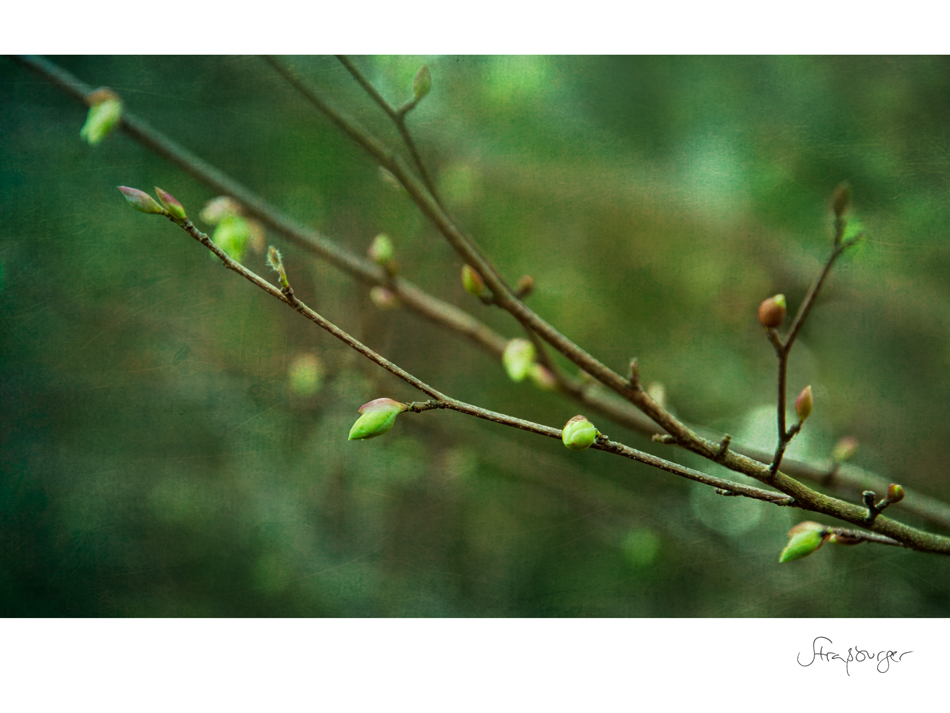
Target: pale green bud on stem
381,251
472,282
804,404
276,262
105,112
232,235
806,537
378,417
171,204
421,83
772,312
141,201
518,357
578,433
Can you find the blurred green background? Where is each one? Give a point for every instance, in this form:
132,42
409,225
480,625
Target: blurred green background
174,441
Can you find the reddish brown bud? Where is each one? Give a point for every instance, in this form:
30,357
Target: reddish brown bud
895,493
772,312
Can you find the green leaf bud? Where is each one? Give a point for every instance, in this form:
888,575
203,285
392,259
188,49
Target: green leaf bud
518,357
772,312
841,200
381,251
472,281
804,403
806,537
844,449
578,433
105,112
421,83
141,201
895,493
171,204
378,417
232,235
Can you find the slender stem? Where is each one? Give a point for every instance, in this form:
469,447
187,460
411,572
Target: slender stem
848,479
442,401
506,299
791,492
783,348
398,118
741,459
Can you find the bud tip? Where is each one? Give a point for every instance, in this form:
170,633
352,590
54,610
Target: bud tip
772,312
804,404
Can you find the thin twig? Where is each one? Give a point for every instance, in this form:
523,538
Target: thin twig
398,117
789,488
442,401
848,478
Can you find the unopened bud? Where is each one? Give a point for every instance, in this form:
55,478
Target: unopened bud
232,235
383,298
806,537
141,201
518,357
378,417
472,281
276,262
772,312
804,403
173,207
841,200
381,250
542,377
895,493
578,433
422,82
525,285
105,112
844,449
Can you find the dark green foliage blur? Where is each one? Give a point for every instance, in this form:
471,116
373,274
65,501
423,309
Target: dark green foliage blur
174,441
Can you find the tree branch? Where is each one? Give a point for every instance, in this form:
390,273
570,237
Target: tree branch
795,494
847,478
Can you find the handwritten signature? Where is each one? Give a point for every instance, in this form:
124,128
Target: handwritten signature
856,655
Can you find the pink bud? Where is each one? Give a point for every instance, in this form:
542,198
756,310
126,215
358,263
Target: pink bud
141,201
173,207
